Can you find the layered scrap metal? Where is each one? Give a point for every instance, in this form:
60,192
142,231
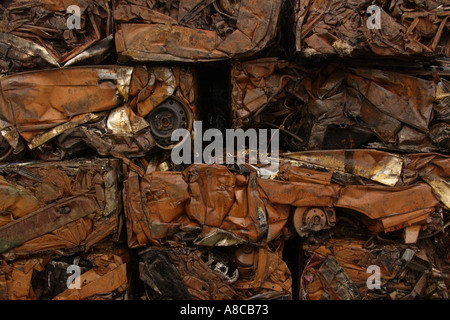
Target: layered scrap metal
58,206
36,34
212,206
243,272
337,270
111,109
103,277
363,177
336,107
391,29
192,30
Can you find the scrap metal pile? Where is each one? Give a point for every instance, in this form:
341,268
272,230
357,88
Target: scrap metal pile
91,92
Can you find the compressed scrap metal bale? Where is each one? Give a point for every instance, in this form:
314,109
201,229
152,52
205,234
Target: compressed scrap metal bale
35,34
347,28
193,30
181,274
103,277
338,270
205,203
212,206
106,108
335,107
242,272
59,207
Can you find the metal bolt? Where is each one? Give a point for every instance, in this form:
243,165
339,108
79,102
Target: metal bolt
64,210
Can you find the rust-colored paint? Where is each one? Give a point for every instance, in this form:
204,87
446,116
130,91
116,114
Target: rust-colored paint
81,105
106,277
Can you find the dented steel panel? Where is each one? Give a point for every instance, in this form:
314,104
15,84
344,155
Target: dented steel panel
337,270
189,31
107,108
59,206
214,207
39,100
242,272
348,28
35,34
382,167
187,205
339,107
363,176
103,277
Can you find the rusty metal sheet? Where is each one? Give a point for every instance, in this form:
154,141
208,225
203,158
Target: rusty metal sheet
181,274
263,274
188,31
347,28
105,108
212,206
35,34
337,270
186,273
363,177
432,168
379,166
387,207
337,107
396,207
103,277
382,167
58,206
187,205
39,100
107,279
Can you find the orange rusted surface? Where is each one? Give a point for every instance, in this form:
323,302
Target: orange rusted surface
106,280
35,34
363,176
72,206
182,273
59,95
38,278
186,30
103,107
219,208
344,28
337,270
189,203
242,272
336,107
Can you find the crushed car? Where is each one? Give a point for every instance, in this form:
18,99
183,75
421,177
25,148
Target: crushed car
193,31
392,29
59,207
108,109
36,34
103,276
340,269
341,107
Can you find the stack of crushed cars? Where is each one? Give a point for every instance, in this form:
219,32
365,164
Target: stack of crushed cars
358,207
